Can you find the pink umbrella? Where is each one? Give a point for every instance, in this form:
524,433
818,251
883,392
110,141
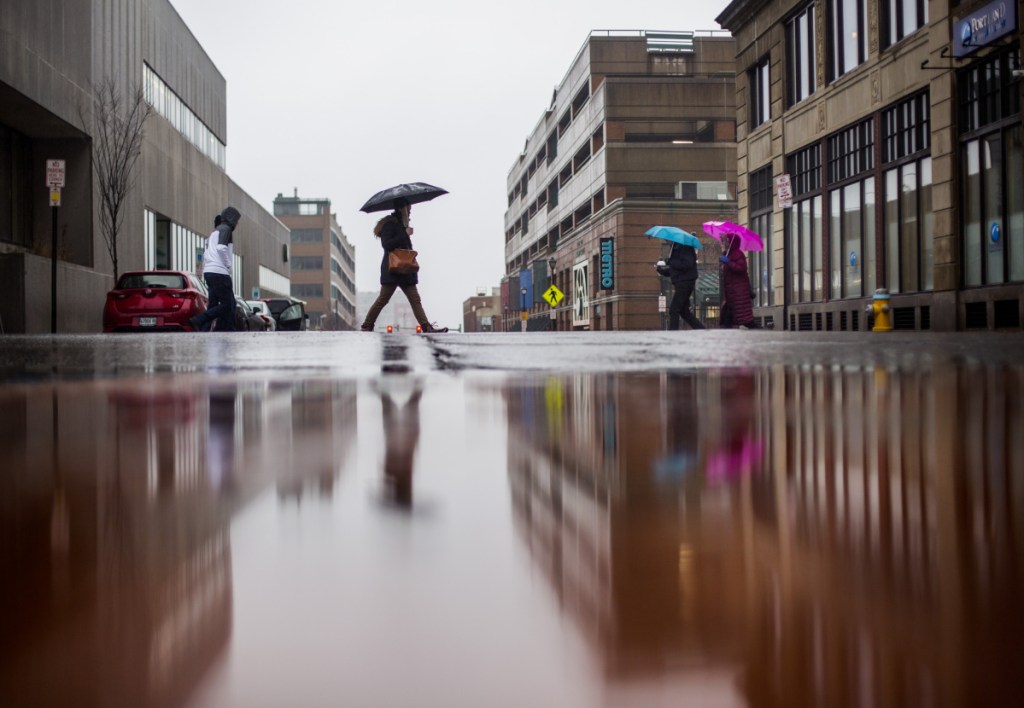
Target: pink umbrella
749,241
729,465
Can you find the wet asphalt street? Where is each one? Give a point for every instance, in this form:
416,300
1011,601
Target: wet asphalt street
541,519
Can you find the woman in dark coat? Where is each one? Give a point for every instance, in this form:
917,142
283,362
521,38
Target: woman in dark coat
682,267
736,285
394,232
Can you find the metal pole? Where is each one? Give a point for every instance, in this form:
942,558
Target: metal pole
53,274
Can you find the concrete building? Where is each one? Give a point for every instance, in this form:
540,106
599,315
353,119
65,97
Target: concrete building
894,131
639,132
323,262
482,312
54,56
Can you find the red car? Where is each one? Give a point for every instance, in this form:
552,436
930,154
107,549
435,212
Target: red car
154,301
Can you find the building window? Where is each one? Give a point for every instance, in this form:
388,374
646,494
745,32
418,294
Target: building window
307,263
992,160
852,239
907,219
760,96
307,290
851,151
901,18
759,262
804,226
851,162
307,235
167,103
847,35
801,60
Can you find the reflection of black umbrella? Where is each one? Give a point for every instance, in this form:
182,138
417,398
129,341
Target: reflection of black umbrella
414,193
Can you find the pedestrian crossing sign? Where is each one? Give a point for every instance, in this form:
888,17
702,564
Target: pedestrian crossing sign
553,296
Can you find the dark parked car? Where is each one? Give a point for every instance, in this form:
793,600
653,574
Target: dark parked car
246,318
290,314
263,311
154,301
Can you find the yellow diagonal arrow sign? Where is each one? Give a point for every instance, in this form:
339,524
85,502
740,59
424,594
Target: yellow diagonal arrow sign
553,296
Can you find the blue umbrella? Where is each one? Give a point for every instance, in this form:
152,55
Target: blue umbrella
674,234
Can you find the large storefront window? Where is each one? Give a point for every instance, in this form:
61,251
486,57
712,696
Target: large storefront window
759,262
851,162
852,233
908,219
804,226
991,164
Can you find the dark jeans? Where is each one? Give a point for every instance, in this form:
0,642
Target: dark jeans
222,303
680,306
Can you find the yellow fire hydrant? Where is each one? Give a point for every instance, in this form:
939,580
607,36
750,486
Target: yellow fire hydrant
879,307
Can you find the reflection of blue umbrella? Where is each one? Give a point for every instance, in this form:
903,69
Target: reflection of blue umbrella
673,467
674,234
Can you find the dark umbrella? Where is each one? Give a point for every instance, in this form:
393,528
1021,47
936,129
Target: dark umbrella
413,192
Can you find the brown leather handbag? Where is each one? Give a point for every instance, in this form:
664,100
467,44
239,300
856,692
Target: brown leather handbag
402,261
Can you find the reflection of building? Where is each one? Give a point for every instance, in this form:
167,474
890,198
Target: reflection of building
50,62
322,261
482,313
397,313
899,131
640,132
114,526
607,493
867,554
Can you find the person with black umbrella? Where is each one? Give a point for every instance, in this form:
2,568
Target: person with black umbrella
394,233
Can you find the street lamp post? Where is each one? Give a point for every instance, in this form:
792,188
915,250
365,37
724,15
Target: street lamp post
522,306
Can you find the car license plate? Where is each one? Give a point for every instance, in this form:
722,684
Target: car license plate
147,322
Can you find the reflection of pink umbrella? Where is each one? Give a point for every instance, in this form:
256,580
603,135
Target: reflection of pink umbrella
749,241
727,465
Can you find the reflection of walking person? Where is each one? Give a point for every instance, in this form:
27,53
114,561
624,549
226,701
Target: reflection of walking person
217,261
401,434
682,266
736,287
394,232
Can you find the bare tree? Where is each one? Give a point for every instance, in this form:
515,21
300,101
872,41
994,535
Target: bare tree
116,146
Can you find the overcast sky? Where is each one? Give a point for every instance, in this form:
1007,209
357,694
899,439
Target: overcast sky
343,99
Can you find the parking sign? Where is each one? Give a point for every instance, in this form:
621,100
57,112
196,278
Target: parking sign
55,173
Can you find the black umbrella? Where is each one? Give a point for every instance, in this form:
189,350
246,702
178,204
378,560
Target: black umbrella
414,193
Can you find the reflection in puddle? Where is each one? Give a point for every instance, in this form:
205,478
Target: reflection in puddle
115,506
768,537
833,536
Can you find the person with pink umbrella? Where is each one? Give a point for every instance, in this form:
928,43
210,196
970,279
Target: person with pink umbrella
737,310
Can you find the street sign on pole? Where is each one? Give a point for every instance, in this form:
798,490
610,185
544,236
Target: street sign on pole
55,173
553,296
784,191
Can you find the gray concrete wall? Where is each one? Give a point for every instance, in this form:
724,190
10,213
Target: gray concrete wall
81,294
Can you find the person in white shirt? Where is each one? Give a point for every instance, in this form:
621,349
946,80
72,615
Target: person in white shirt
217,260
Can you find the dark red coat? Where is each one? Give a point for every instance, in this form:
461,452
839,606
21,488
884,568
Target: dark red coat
736,286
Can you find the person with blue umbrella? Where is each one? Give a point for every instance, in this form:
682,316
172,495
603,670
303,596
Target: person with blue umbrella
682,270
